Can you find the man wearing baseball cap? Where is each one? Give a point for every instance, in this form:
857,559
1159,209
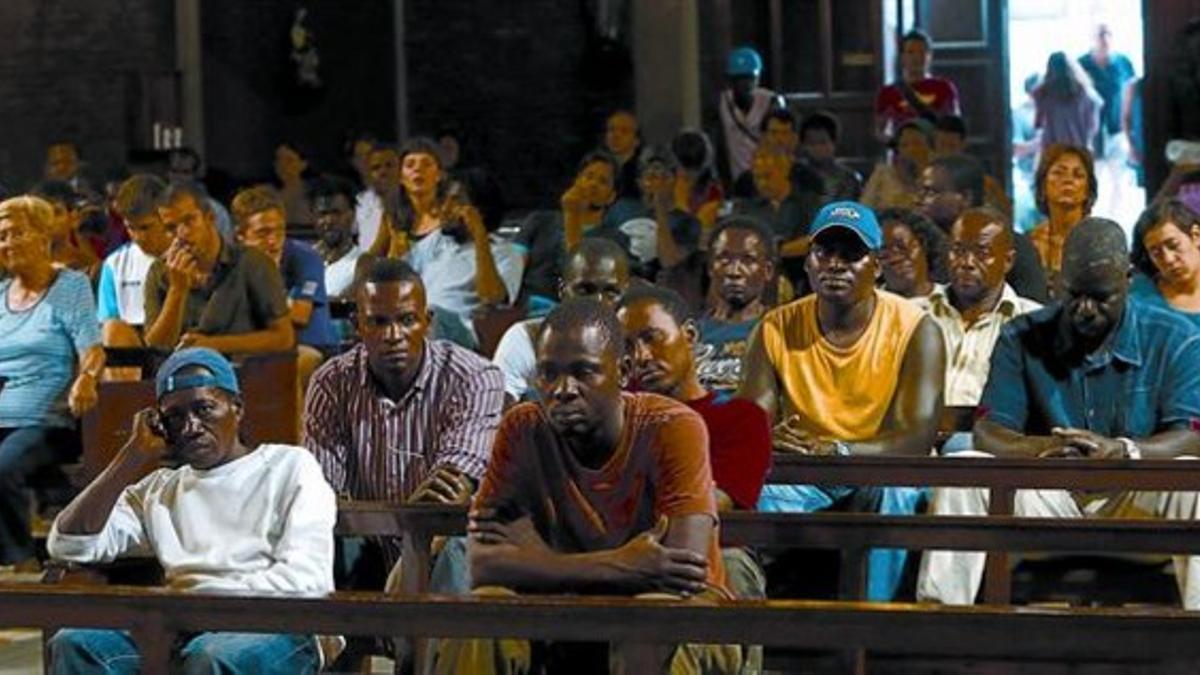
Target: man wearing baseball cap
228,518
743,107
848,370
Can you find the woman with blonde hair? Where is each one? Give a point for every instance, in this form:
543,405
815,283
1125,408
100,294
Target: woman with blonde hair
50,359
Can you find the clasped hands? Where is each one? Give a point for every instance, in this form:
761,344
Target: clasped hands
1075,443
790,435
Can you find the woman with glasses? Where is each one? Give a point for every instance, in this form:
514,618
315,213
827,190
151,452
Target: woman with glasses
913,257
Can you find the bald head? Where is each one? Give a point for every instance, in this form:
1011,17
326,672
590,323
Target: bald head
597,269
1095,280
1094,242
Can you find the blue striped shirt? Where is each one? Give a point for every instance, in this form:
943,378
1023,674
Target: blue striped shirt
39,349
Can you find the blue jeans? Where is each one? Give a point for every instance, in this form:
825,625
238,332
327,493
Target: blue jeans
23,452
885,566
451,573
76,651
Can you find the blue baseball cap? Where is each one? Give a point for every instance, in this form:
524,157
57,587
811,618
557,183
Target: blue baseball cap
743,61
220,372
852,216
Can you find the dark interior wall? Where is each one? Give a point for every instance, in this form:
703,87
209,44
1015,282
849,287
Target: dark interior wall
526,81
251,103
63,69
1170,113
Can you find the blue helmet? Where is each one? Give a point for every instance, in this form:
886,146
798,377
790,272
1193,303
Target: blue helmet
743,62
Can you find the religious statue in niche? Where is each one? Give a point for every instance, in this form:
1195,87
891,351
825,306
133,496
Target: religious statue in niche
304,52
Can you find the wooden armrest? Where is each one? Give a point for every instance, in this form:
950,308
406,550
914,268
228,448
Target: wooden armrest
126,572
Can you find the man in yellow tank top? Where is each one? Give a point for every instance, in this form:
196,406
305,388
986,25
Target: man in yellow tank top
849,370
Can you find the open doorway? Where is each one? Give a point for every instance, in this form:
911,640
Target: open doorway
1037,29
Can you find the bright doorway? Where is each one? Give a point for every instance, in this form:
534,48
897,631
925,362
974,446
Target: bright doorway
1036,29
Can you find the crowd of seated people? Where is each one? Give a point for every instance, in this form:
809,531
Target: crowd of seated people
665,342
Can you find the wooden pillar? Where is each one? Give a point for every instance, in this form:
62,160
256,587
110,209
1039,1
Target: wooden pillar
188,61
401,70
1163,20
666,56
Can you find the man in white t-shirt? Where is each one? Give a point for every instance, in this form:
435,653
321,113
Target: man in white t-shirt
332,199
229,518
597,268
383,185
120,303
743,107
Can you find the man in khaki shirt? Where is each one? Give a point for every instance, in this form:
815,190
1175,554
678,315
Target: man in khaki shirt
976,304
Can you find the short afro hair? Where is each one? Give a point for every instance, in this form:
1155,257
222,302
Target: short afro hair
597,248
821,120
584,313
328,186
1094,241
953,124
747,224
671,302
391,270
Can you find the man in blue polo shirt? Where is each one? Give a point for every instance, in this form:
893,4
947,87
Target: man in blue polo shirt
262,223
1096,376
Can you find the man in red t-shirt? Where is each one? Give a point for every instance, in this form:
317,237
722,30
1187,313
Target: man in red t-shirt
660,338
593,490
917,94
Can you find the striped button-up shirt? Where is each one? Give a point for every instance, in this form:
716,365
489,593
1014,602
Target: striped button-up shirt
371,447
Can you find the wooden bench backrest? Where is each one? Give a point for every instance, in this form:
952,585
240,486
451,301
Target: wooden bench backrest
156,616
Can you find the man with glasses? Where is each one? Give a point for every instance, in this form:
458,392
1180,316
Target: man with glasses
206,292
223,517
955,183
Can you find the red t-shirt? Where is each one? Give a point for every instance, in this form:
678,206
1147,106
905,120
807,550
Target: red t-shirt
660,467
936,92
739,446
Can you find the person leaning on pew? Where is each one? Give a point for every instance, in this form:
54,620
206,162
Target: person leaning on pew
1096,376
592,490
207,292
849,370
401,417
229,518
660,339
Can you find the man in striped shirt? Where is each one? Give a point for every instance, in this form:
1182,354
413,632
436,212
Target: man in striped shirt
400,417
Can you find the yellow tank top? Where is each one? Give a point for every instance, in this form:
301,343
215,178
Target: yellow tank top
839,393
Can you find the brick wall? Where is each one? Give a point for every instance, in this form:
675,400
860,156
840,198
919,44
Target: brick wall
249,103
62,75
522,79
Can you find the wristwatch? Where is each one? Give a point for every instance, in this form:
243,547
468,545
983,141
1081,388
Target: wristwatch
841,448
1132,451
